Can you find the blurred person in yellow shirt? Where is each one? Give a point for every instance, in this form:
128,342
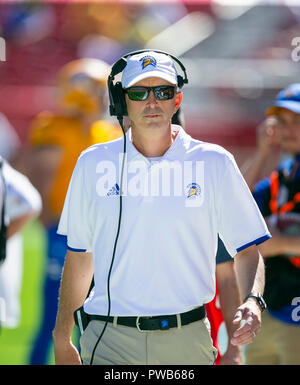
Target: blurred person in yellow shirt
56,140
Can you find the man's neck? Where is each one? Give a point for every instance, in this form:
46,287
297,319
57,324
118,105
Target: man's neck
153,142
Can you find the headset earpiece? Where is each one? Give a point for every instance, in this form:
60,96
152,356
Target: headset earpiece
117,100
180,81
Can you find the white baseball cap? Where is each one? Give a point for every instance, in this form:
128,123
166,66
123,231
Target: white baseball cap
147,64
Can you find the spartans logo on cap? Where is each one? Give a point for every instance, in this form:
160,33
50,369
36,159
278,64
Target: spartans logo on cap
145,65
148,60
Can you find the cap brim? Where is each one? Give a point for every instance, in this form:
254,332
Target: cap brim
149,74
288,105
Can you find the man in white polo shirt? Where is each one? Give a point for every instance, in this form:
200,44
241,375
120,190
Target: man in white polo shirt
154,265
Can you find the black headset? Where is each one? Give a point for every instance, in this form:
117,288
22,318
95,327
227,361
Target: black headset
116,93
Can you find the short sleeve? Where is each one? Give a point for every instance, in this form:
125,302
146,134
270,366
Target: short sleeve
240,221
9,140
74,222
21,196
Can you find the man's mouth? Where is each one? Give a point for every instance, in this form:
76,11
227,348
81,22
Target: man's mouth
152,115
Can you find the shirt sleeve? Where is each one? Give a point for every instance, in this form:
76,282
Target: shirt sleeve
21,196
240,222
9,140
74,220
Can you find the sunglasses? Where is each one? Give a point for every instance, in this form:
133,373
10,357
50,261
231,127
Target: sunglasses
142,93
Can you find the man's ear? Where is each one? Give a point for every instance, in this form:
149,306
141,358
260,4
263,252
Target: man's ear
178,100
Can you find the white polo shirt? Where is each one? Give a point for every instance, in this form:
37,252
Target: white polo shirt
173,210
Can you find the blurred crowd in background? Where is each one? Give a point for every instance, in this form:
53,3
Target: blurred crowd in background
237,59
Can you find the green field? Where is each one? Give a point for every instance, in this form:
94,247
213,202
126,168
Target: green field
15,344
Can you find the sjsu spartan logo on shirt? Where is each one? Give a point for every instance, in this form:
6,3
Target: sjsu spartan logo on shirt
193,190
148,60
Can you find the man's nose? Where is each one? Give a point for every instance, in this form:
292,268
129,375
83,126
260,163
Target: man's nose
151,98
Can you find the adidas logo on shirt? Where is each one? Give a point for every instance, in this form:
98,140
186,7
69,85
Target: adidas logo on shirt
115,190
